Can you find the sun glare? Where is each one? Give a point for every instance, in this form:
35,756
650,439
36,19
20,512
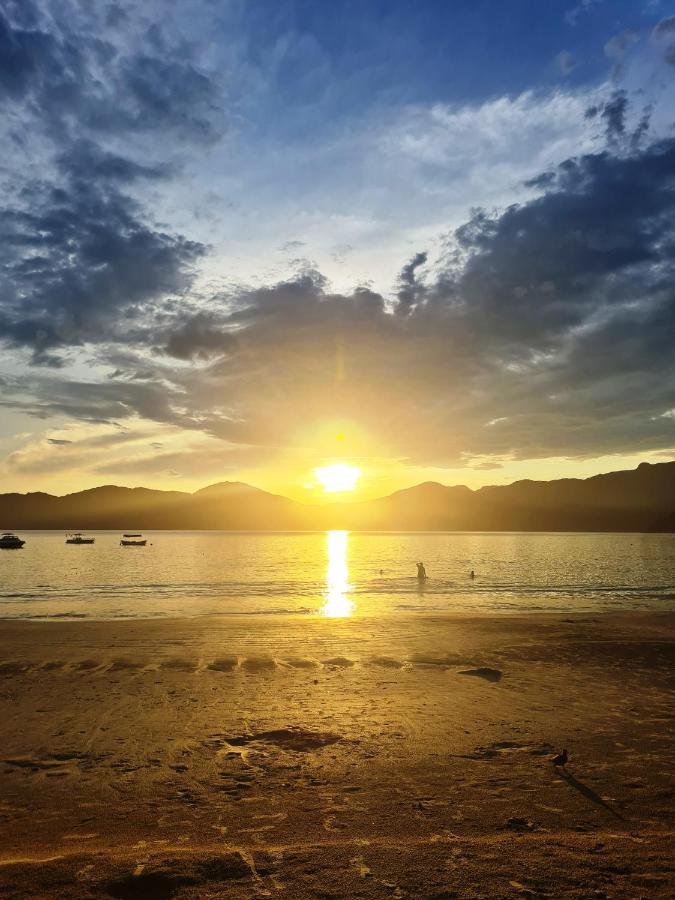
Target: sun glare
338,477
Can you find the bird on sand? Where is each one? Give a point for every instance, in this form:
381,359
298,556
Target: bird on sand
560,759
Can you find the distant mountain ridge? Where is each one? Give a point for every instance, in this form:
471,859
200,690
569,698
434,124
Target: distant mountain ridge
642,499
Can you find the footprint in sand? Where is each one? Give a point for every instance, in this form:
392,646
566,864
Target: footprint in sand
294,662
485,672
224,664
179,664
120,665
165,879
257,664
53,764
13,668
87,665
386,662
429,661
338,662
299,740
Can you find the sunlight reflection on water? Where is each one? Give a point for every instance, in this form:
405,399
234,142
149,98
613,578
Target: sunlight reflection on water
338,603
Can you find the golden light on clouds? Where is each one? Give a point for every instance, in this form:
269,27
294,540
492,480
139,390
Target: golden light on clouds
338,477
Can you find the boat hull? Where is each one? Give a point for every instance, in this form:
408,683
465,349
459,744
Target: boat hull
133,543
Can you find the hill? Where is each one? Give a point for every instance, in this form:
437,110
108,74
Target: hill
639,500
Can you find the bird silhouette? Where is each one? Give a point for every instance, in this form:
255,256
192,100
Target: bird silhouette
560,759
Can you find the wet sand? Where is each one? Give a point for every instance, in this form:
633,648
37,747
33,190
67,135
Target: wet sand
306,757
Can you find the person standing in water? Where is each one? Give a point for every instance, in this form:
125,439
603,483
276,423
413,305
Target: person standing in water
421,572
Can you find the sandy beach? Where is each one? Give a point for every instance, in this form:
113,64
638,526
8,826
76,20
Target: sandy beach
305,757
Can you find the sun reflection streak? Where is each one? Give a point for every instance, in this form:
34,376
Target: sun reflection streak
337,577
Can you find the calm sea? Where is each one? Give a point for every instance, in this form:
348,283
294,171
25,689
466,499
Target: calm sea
333,573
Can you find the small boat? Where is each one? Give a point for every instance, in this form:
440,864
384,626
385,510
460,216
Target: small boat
9,541
133,540
77,538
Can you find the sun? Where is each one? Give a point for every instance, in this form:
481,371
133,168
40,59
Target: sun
338,477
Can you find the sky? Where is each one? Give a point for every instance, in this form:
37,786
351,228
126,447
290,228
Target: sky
250,240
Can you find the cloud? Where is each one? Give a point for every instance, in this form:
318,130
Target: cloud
664,36
566,62
544,310
573,15
410,290
614,113
665,28
548,318
69,77
85,160
618,45
551,319
127,454
198,337
79,261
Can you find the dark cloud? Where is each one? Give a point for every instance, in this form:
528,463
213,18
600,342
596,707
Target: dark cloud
58,442
79,262
32,60
613,112
198,337
107,403
89,162
115,15
556,316
410,290
56,74
486,466
543,265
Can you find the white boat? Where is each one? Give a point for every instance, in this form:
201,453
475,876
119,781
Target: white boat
78,538
9,541
133,540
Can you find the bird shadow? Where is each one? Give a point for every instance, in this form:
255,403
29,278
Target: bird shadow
588,792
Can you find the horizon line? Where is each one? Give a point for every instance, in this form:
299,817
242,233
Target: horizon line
341,502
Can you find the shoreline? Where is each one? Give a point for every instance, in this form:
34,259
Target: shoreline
312,615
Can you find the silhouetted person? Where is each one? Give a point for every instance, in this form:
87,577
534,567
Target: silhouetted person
472,574
421,572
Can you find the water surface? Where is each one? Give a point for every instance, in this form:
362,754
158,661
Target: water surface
334,573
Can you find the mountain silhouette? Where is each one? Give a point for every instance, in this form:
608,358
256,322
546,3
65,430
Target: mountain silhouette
638,500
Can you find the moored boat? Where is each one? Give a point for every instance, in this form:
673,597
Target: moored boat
133,540
78,538
9,541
